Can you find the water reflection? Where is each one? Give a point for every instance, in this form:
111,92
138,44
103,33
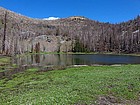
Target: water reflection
75,59
56,61
44,59
37,58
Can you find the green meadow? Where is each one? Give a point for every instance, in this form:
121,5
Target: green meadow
80,85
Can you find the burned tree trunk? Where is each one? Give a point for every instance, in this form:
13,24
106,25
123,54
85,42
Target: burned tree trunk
4,33
37,48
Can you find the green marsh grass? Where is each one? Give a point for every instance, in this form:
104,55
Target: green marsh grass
4,60
81,85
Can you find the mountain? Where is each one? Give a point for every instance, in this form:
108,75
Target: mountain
20,34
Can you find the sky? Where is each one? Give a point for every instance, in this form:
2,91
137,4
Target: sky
113,11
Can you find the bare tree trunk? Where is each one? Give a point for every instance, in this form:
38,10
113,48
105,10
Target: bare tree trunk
37,48
4,33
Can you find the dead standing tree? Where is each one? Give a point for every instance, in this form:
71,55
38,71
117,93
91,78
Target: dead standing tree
4,33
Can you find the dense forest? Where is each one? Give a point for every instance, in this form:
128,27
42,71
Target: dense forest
20,34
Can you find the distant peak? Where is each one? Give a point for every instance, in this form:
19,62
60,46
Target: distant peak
78,17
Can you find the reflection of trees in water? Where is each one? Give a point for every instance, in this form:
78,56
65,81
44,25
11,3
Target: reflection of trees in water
37,58
68,59
59,59
43,59
53,59
65,59
80,61
32,59
46,59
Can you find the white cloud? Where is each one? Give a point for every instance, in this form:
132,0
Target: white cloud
51,18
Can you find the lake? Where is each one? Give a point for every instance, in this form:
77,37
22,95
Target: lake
47,62
75,59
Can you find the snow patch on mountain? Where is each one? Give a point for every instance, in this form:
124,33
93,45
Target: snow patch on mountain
51,18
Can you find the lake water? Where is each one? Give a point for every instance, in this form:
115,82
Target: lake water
75,59
47,62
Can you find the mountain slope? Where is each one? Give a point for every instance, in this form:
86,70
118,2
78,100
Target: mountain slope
76,33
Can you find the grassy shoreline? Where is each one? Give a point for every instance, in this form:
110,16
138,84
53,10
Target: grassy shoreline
81,85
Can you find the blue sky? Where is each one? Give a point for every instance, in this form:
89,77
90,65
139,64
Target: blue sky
112,11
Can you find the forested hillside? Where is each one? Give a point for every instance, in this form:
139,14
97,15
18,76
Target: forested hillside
20,34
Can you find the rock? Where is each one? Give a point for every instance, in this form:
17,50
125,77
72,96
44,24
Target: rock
47,43
79,65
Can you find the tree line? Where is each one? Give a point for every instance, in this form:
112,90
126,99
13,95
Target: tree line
87,35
